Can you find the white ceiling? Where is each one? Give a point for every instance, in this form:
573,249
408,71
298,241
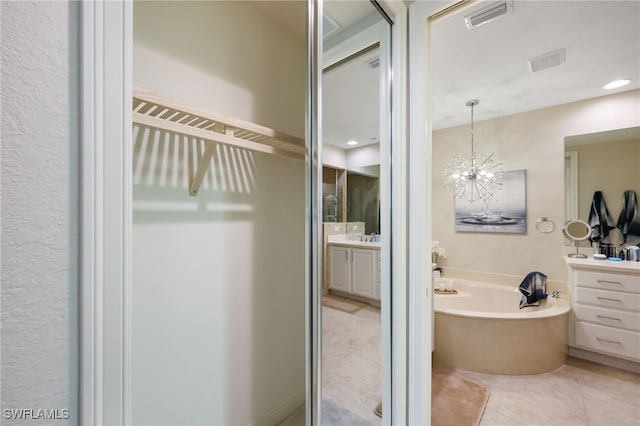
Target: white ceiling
350,111
490,63
350,91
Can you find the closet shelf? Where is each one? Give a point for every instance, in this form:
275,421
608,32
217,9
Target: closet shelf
152,110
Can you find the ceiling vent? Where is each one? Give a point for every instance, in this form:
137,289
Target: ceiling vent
548,60
374,62
329,25
488,13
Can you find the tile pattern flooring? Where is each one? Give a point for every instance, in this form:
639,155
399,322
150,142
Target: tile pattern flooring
580,393
351,364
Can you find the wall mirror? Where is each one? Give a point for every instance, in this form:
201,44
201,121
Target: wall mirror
351,87
606,161
356,59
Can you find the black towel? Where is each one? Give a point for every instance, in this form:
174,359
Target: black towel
600,220
628,215
533,289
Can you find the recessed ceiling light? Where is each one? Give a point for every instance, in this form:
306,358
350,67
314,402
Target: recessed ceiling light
616,83
352,142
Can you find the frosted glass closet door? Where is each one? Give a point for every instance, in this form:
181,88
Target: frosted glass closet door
217,316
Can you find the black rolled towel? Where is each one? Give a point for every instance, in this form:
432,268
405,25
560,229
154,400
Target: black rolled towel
533,288
600,220
628,215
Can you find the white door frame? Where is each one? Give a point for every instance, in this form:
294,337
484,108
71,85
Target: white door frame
420,204
105,211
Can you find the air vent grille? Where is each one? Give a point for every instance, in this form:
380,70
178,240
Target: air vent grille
487,14
374,62
548,60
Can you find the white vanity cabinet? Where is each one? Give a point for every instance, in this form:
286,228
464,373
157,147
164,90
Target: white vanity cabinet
605,304
339,268
354,270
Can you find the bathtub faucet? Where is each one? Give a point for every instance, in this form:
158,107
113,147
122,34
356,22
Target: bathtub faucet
555,294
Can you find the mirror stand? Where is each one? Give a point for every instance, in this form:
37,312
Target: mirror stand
577,254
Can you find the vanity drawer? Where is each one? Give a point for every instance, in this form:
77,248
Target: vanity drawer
610,299
608,281
608,317
609,340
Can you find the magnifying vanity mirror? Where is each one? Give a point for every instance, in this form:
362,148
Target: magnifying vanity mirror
577,230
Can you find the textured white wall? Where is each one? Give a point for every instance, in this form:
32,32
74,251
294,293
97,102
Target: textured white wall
533,141
218,279
39,161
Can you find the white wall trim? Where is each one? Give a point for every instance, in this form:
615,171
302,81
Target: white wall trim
106,210
90,282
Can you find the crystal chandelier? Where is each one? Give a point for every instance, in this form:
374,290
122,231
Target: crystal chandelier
475,178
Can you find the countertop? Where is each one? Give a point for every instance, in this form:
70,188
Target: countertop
342,240
590,263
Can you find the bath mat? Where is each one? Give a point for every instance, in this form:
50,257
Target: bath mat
342,303
456,401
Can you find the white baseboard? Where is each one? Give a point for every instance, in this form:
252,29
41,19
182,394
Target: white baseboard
282,411
622,364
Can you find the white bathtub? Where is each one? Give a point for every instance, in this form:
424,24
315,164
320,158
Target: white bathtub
482,329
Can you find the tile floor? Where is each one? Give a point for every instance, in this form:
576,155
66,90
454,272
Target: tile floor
351,360
580,393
